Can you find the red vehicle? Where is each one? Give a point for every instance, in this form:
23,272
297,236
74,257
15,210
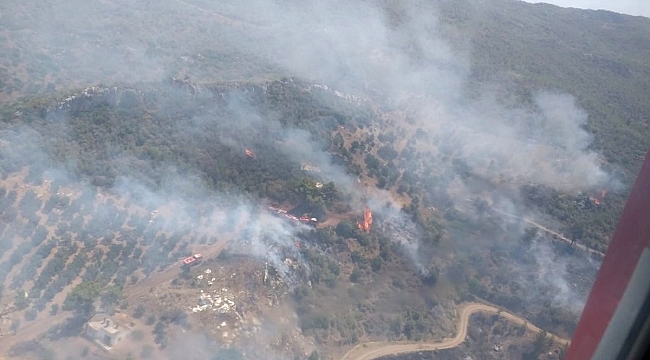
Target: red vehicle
192,260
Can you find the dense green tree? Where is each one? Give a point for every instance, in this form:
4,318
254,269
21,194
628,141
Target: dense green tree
138,312
347,229
21,300
110,296
81,298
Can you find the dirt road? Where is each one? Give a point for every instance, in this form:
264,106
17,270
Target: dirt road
168,274
30,330
368,351
33,329
549,231
220,17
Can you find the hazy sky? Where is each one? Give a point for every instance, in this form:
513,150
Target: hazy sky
631,7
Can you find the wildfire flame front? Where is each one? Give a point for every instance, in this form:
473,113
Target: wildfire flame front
367,220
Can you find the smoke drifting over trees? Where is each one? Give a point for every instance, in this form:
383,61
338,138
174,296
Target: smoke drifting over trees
182,89
398,51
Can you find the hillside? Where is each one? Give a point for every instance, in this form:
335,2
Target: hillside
597,56
475,131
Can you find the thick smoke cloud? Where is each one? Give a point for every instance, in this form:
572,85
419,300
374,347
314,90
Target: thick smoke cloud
545,145
394,52
553,274
299,146
547,269
181,208
187,204
360,48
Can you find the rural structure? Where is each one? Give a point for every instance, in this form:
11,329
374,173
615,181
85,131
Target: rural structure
106,332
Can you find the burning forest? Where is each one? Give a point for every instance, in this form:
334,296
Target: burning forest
596,200
364,225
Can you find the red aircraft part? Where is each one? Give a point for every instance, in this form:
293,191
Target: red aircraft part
631,236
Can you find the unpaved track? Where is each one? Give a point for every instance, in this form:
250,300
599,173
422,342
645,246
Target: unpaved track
29,331
168,274
545,229
32,330
225,19
374,350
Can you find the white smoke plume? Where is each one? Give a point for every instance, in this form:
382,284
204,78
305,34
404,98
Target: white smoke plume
395,54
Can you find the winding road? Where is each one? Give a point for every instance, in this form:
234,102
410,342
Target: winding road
375,350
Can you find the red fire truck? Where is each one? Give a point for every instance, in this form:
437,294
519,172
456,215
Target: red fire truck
192,260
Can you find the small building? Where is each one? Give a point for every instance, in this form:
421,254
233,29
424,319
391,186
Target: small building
105,331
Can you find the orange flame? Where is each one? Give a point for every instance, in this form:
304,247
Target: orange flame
367,220
250,153
603,193
596,201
